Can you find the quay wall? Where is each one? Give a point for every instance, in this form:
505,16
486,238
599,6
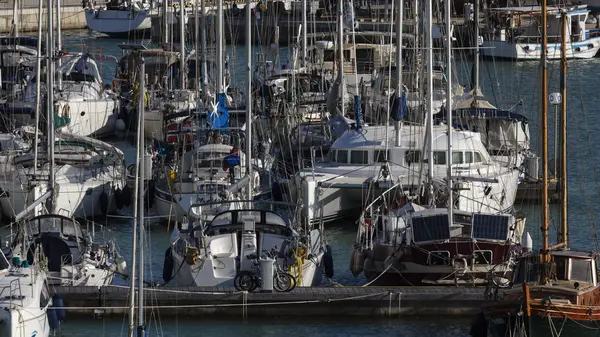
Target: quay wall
72,15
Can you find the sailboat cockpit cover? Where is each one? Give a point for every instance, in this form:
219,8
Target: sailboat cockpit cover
53,223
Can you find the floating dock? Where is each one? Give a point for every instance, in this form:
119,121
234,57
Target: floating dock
317,301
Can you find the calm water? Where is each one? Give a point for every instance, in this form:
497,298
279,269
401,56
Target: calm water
499,80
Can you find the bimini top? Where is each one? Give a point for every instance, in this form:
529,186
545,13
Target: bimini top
537,9
486,113
53,223
412,137
235,219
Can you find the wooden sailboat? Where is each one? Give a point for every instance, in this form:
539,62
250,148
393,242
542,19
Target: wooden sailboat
556,292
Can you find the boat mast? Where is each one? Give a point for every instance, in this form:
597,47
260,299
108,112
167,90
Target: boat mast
50,111
304,34
182,68
448,9
196,47
249,96
563,131
58,42
139,159
544,97
141,192
475,74
15,19
37,87
220,57
399,66
341,54
203,47
429,105
165,11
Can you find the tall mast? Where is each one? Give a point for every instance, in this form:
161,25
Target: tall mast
139,159
196,46
182,42
341,53
220,57
399,66
165,21
304,34
50,111
544,98
475,79
448,10
563,131
15,18
249,96
142,185
203,48
429,105
58,41
37,86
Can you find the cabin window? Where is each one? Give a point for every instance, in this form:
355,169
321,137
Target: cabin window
380,156
359,157
478,158
468,157
439,158
439,258
482,256
457,157
412,157
581,270
328,55
561,268
342,156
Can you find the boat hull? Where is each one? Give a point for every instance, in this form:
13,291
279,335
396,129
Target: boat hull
80,200
532,51
117,22
517,325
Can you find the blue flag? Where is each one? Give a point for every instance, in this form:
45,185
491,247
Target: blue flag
220,119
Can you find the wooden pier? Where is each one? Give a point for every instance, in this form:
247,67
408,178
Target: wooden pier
318,301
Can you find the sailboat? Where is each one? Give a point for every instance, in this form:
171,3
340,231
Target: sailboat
418,245
25,299
556,292
213,252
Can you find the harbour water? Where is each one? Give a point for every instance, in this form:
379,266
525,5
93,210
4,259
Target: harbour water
501,81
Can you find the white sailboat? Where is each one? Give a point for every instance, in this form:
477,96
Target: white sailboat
82,106
89,176
213,252
24,299
120,17
76,256
514,33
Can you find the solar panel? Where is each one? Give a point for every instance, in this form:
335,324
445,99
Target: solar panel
431,228
491,227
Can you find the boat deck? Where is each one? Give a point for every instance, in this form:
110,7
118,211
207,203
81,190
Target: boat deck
317,301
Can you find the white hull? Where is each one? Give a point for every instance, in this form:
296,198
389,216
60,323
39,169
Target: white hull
532,51
81,275
78,199
349,194
24,302
90,117
211,273
117,21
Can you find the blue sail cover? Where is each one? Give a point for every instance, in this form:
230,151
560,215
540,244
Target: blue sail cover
220,119
231,160
400,107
